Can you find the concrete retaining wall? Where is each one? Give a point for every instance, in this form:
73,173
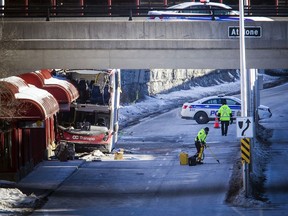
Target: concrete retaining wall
136,84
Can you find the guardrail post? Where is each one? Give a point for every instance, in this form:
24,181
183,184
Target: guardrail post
130,15
48,14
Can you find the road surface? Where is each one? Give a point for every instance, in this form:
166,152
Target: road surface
150,180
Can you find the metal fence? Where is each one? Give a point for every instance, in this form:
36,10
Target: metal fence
117,11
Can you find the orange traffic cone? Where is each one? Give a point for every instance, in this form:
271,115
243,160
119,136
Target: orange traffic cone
216,124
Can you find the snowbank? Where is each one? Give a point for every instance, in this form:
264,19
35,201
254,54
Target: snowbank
14,202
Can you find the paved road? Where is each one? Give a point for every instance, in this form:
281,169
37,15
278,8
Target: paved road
150,180
147,184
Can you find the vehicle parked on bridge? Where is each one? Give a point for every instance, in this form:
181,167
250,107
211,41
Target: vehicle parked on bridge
205,109
203,10
92,122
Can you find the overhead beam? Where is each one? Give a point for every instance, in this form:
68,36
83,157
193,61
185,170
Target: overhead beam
142,45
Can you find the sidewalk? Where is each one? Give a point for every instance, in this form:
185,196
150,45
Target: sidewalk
48,176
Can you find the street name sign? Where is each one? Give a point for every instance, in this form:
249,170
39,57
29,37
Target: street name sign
250,31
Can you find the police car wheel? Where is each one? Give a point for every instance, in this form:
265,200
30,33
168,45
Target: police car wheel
201,118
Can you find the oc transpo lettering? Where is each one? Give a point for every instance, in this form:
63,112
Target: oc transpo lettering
87,138
75,137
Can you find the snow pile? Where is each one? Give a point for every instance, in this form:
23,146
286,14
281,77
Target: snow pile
13,197
247,202
236,194
261,152
12,200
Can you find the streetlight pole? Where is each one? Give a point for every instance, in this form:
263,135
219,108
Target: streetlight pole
244,86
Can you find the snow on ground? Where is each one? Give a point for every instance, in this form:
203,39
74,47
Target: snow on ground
14,202
162,102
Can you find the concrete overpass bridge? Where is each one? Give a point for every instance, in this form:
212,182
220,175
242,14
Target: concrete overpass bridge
142,44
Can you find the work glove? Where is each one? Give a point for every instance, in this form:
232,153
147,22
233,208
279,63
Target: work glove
231,121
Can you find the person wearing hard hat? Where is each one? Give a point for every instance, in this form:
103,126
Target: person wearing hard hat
200,143
225,114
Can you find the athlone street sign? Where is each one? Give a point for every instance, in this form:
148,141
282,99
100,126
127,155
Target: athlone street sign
250,31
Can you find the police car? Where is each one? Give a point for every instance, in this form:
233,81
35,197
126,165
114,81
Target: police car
205,109
203,10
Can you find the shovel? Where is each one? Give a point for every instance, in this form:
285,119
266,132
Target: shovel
213,155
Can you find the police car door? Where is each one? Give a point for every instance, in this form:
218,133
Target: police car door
212,107
235,107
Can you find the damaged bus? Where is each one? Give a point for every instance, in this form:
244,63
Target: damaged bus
92,120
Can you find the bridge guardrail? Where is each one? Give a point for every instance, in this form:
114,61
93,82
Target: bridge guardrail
117,11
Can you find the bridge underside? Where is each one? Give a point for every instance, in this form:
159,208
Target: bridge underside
141,45
30,60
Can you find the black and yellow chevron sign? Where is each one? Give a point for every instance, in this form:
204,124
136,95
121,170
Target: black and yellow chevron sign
245,150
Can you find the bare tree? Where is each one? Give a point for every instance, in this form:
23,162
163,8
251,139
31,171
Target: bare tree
8,47
9,105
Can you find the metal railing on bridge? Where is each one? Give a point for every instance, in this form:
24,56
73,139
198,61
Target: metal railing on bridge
42,11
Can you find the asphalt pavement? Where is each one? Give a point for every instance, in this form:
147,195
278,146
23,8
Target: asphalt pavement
49,175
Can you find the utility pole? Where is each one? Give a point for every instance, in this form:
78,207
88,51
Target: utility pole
244,87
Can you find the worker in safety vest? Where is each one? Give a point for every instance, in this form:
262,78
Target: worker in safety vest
225,115
200,143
